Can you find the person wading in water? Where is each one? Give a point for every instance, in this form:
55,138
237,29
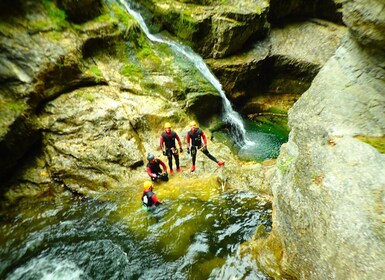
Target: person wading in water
168,146
149,199
195,135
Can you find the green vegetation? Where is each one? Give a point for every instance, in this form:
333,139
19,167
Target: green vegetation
86,95
186,26
56,16
95,71
376,142
10,110
16,107
283,164
130,70
125,18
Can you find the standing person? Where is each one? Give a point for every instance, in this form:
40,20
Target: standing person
153,169
196,135
168,146
149,199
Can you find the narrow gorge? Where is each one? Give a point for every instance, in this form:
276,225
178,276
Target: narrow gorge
85,93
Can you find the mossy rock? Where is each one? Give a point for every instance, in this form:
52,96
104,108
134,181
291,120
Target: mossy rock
376,142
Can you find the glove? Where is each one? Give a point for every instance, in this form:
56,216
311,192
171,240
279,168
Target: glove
181,150
164,153
188,150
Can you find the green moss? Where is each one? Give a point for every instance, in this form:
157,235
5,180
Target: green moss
125,18
376,142
15,107
283,164
149,58
86,95
56,16
186,26
130,70
9,111
105,18
95,71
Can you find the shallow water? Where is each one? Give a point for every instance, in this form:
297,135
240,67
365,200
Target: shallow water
191,236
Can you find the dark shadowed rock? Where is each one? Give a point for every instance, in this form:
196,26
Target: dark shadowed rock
301,9
81,11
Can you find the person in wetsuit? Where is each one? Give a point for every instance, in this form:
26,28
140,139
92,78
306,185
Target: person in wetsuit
154,169
168,146
149,199
195,135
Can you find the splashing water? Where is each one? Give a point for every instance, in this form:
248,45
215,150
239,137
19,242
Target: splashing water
231,117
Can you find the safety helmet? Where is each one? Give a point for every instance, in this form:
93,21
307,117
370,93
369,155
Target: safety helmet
167,125
193,123
147,186
150,157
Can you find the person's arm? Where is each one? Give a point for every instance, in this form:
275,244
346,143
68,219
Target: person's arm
188,140
203,135
149,172
155,200
163,165
161,143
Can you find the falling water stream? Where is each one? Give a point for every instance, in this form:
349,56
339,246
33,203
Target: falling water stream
231,117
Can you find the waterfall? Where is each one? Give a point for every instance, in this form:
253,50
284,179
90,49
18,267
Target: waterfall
231,117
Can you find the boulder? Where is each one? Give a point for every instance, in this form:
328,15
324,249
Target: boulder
329,185
40,61
215,29
365,20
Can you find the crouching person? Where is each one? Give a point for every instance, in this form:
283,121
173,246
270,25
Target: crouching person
154,169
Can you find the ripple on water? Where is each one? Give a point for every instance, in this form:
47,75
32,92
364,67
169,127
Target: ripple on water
197,228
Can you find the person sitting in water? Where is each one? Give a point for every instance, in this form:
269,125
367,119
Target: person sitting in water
149,199
153,169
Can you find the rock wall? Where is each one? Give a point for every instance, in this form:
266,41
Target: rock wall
329,187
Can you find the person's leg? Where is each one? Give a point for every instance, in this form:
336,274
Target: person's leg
169,157
176,157
210,156
193,157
